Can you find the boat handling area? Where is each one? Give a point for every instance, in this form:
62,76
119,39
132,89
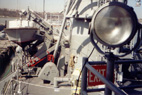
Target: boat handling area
93,47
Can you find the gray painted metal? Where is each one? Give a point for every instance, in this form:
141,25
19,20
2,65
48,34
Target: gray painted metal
48,72
116,62
20,35
61,31
60,79
84,80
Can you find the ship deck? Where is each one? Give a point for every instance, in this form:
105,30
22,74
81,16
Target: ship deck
35,86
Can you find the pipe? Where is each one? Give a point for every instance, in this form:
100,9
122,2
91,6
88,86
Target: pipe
123,87
84,93
116,62
110,71
84,81
61,31
58,79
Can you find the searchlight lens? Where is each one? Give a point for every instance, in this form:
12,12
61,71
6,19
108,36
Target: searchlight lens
114,24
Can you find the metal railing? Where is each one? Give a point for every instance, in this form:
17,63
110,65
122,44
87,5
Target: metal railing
108,81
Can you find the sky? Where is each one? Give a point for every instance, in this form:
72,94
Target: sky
36,5
138,10
51,5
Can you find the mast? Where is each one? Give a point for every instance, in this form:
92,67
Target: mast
43,9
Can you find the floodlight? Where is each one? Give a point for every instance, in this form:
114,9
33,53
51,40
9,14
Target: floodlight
114,24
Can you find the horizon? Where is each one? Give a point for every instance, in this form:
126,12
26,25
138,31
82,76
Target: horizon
49,5
21,10
36,5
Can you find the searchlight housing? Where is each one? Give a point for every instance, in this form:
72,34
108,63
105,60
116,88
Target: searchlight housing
114,24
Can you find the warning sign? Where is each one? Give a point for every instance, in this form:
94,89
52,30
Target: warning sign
94,80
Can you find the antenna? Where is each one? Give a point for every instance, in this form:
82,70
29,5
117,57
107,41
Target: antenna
43,9
17,4
138,3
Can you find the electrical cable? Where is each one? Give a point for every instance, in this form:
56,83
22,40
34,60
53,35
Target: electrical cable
95,45
82,69
7,72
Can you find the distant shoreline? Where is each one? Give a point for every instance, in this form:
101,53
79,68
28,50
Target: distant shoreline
8,17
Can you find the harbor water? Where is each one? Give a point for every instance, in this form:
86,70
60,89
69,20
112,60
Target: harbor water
5,52
3,19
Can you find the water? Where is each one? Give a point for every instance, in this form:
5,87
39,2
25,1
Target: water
6,70
5,62
3,19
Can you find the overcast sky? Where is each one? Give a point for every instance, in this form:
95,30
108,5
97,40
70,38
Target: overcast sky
50,5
